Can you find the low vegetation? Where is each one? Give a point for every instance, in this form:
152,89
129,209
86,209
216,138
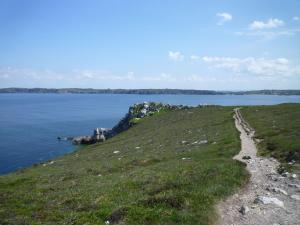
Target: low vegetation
277,130
170,168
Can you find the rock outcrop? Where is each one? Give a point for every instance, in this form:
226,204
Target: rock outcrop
135,113
139,111
100,135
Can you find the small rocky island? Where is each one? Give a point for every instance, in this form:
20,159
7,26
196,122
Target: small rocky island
135,113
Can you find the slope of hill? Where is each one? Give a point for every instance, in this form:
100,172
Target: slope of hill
169,168
277,130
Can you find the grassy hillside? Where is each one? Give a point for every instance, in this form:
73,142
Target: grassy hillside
278,127
161,171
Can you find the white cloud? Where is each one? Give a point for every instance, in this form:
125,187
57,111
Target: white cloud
104,75
268,30
296,18
87,74
269,24
4,76
75,77
256,66
163,77
194,78
166,76
224,17
70,76
224,72
176,56
195,57
268,35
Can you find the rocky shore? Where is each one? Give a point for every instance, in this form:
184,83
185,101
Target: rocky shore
135,113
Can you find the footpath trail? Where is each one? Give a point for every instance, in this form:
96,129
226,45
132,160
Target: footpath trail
269,198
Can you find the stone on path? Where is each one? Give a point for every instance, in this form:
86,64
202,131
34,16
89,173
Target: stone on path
244,210
296,197
278,190
246,157
294,185
269,200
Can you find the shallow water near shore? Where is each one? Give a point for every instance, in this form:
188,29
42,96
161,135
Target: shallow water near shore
31,123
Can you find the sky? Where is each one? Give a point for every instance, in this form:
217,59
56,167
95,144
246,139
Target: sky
190,44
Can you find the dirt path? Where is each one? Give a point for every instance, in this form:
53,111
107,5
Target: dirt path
269,198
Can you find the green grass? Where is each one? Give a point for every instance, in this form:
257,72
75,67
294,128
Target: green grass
278,127
146,182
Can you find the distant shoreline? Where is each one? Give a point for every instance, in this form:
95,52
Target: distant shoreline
144,91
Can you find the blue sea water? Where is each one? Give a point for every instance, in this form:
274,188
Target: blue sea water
31,123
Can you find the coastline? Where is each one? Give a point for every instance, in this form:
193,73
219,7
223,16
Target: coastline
146,91
179,161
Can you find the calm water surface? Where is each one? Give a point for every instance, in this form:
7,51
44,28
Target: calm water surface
31,123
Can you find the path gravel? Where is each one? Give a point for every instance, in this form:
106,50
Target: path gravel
269,198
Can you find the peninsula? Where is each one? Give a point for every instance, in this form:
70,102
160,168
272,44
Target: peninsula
174,166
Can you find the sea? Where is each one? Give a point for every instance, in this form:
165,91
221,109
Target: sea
31,123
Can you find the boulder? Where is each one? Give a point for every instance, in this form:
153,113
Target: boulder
83,140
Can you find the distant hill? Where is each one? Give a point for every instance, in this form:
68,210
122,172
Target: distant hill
146,91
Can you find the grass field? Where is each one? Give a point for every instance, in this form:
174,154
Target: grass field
161,171
278,128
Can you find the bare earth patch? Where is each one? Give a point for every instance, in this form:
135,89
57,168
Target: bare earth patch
269,198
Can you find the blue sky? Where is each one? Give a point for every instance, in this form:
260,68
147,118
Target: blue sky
216,44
